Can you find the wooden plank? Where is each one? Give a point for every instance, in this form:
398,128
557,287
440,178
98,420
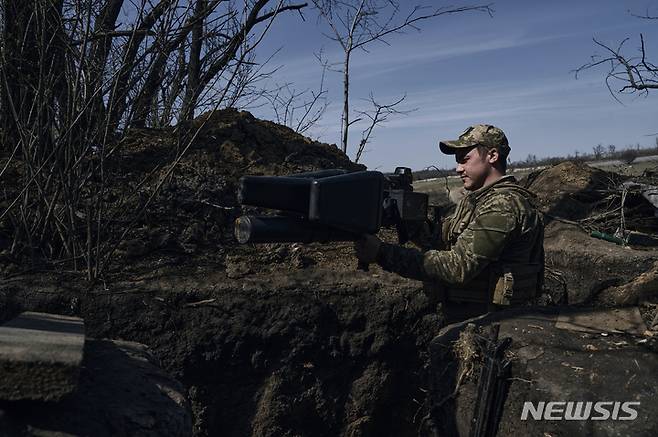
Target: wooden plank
615,320
40,356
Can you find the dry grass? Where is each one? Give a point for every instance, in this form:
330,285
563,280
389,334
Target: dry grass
467,351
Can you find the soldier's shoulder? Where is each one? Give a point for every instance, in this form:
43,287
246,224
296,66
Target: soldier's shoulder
509,197
502,193
512,190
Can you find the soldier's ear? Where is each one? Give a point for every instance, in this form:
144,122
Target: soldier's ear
493,156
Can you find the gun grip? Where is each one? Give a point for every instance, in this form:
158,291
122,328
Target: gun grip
363,266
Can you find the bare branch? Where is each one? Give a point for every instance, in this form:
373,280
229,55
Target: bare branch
626,74
355,24
378,115
411,19
287,103
647,15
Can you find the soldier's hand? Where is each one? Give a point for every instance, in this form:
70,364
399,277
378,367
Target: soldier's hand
367,248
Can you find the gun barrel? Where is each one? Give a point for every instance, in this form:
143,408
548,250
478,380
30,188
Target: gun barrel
278,229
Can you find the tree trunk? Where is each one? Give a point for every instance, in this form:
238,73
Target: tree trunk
100,50
20,67
193,67
146,98
32,70
345,124
119,95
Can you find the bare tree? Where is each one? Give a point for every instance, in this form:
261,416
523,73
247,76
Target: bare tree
221,58
627,73
611,150
356,24
598,151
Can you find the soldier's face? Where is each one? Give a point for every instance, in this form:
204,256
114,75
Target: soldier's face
473,168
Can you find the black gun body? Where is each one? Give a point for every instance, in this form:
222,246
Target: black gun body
329,205
410,206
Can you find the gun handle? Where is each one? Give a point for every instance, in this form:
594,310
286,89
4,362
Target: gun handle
363,266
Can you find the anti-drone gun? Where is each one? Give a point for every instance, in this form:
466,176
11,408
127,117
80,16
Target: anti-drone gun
329,205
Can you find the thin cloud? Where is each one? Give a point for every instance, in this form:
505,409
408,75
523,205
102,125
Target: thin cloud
401,55
486,101
394,59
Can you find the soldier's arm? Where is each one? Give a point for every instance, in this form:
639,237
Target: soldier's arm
481,243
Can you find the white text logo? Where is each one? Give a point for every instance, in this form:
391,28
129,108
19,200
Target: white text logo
602,410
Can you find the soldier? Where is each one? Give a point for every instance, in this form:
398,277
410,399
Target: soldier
491,253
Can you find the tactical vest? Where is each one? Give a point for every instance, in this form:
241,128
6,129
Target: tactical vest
502,282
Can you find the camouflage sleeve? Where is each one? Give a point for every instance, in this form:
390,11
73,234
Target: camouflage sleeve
481,243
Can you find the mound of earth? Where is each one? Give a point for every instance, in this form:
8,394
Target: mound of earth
570,190
172,192
197,204
576,200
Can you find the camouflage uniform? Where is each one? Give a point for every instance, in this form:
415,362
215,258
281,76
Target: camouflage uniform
493,250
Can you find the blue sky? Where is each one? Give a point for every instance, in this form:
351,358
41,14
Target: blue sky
513,70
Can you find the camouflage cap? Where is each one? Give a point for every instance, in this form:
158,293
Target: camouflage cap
478,135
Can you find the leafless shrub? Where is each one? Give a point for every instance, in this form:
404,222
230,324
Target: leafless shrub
299,110
75,74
